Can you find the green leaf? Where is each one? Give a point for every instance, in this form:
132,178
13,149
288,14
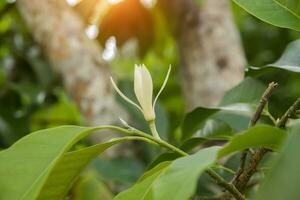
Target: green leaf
141,189
289,61
196,120
215,129
69,166
291,5
176,181
283,180
271,12
212,130
58,114
122,169
259,136
30,160
248,91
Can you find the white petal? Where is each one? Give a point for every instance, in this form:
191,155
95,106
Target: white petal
138,84
147,85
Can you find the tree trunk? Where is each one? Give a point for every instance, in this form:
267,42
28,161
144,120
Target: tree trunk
212,59
76,58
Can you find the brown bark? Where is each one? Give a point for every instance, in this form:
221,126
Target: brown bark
212,59
76,58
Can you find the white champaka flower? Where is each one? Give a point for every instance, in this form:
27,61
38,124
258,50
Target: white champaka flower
143,89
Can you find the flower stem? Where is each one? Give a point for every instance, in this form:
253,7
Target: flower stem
218,179
153,129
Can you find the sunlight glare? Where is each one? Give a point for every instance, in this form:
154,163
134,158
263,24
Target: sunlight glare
148,3
110,49
114,1
73,2
92,31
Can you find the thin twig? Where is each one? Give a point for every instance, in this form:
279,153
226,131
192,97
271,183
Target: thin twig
262,103
288,114
223,183
255,117
259,154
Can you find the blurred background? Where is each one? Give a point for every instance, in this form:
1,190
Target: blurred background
56,58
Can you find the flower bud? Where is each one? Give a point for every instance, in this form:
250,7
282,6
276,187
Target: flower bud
143,89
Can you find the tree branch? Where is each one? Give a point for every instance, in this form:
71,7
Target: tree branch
259,154
288,114
255,117
223,183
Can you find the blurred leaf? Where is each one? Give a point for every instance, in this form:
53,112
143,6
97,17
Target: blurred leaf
183,173
248,91
199,2
122,169
90,187
235,109
29,91
271,12
215,129
46,148
142,187
195,120
290,58
57,114
162,120
212,130
191,143
259,136
167,156
283,181
289,61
